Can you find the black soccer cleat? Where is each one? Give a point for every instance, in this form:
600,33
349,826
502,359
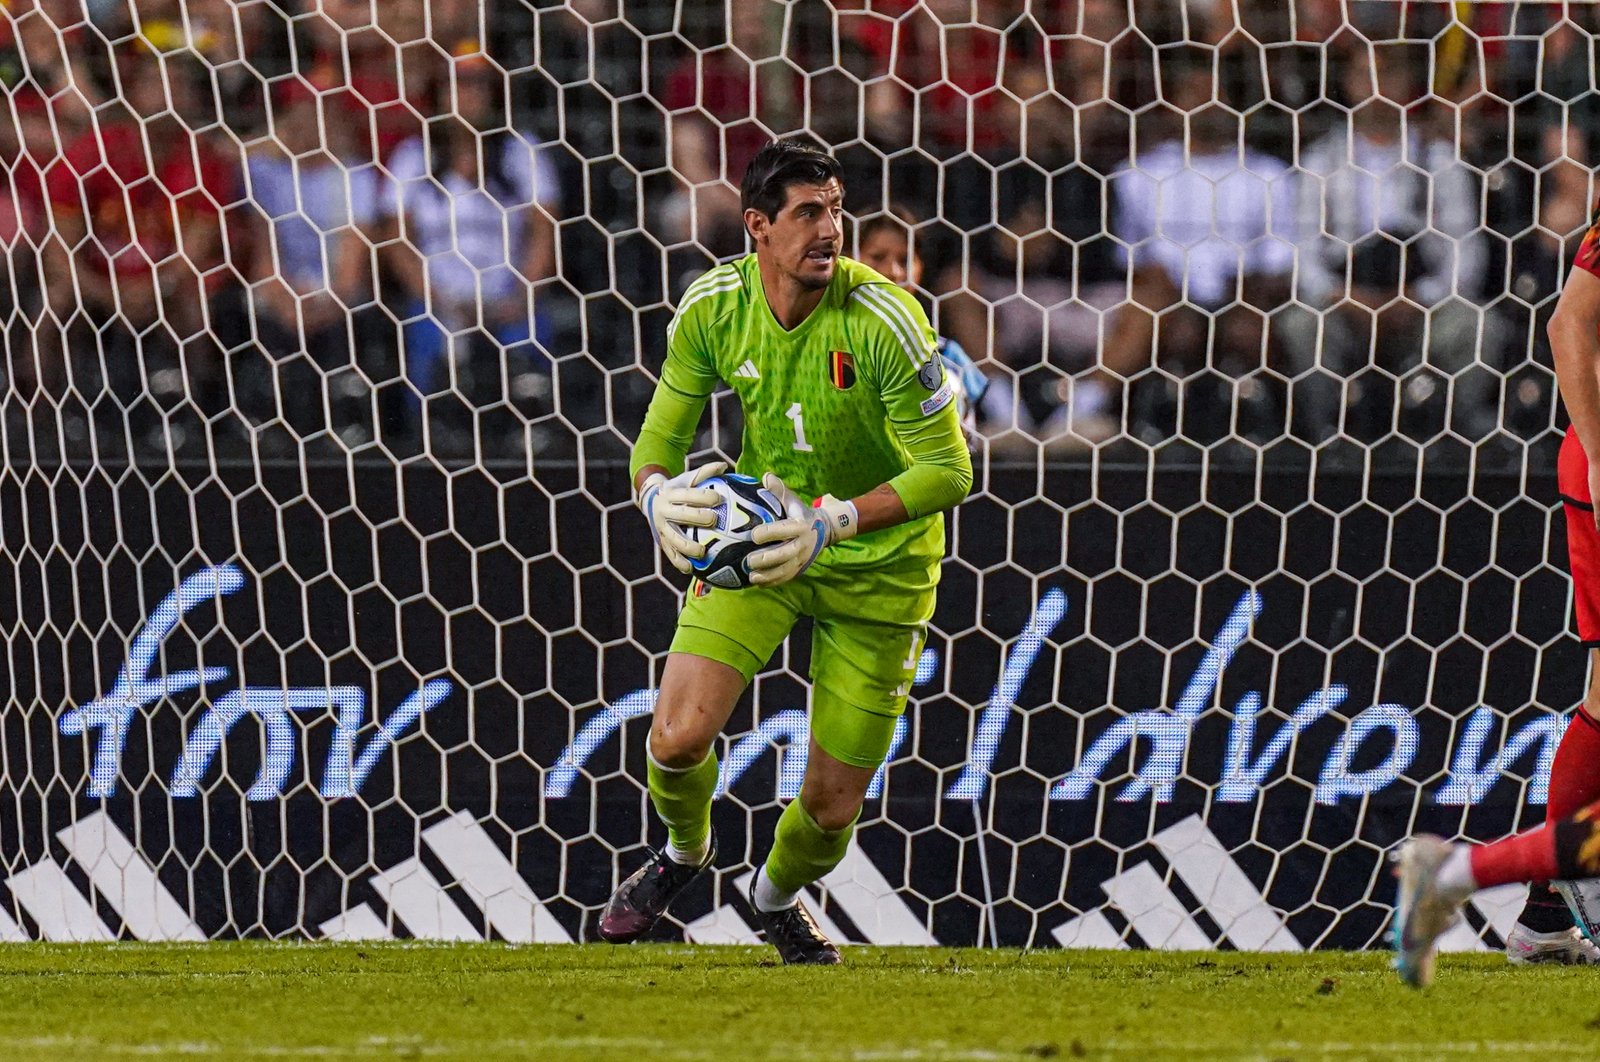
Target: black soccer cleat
796,935
644,897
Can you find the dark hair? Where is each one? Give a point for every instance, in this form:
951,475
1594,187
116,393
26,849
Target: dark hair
451,135
894,218
446,141
783,162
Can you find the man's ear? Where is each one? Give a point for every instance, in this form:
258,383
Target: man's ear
756,224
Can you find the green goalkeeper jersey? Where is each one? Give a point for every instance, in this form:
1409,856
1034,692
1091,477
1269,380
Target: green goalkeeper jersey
854,396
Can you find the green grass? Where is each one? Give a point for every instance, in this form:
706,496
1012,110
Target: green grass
647,1003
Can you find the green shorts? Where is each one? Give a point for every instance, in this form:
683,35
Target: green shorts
869,626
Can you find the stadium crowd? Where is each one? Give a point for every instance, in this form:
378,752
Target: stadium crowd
286,225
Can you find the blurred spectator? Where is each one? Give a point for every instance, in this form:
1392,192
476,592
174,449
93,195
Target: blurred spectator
725,103
885,244
594,63
1549,226
313,208
1393,249
996,121
969,78
1084,77
475,242
27,148
1206,225
232,39
1562,205
136,206
1033,323
1566,70
146,192
368,57
59,52
970,91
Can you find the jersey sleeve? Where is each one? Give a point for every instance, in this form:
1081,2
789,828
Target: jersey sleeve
918,395
687,379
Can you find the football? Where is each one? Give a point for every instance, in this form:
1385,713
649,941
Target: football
746,505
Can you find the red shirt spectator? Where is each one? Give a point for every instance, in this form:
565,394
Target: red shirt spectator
132,204
348,52
29,147
955,67
718,85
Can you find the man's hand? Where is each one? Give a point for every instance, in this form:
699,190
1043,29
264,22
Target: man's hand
792,544
672,505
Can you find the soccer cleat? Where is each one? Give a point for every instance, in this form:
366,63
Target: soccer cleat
1422,913
796,935
640,901
1566,947
1583,900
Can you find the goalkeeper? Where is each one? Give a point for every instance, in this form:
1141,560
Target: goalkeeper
848,410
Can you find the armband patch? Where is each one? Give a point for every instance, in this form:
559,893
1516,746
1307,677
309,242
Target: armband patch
940,399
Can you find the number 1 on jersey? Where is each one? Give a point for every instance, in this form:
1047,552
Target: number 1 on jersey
799,429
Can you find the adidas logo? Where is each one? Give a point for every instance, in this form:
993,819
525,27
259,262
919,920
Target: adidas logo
1188,894
126,884
747,371
1223,903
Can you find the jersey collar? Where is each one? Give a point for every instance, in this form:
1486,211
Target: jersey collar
752,279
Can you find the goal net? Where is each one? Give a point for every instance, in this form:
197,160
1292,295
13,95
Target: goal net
326,611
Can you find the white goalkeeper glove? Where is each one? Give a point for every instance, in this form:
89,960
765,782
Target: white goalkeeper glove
672,505
792,544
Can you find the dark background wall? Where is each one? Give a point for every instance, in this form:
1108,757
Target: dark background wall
538,602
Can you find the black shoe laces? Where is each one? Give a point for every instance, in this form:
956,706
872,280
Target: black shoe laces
662,879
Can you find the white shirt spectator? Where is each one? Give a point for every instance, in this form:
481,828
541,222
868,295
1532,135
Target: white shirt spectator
1411,188
306,206
473,238
1206,219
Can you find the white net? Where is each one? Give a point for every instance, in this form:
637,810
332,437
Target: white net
327,325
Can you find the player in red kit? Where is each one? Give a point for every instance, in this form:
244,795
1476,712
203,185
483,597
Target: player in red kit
1437,877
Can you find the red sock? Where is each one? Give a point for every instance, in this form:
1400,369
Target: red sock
1528,856
1575,774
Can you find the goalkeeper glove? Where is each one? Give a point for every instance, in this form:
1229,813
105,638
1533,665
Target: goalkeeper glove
672,505
791,545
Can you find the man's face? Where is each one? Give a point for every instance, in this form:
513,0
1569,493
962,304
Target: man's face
1384,76
144,89
888,251
476,92
805,238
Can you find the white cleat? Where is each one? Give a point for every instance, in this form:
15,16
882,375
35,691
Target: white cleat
1422,913
1565,947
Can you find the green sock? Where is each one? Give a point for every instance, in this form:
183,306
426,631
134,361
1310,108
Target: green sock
802,851
682,799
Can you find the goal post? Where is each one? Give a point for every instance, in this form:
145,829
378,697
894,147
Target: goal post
325,607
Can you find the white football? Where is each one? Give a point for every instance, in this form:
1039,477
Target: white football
746,505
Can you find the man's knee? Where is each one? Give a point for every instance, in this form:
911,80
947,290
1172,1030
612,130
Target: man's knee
696,697
674,746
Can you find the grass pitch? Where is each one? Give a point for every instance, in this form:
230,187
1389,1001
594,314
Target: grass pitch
657,1002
